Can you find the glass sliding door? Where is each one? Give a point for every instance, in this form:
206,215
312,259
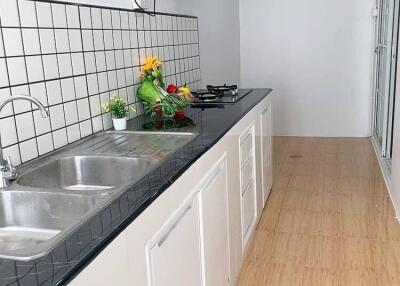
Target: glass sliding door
386,58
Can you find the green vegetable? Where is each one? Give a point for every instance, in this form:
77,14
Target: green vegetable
148,92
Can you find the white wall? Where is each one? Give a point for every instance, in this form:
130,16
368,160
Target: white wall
317,55
219,38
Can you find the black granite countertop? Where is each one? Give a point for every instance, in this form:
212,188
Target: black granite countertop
83,245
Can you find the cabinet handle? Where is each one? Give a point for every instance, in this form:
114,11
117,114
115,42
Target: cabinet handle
168,233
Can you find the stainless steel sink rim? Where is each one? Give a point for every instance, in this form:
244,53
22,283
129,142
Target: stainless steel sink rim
103,198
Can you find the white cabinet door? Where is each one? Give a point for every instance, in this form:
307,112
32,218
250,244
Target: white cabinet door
174,255
248,189
266,149
215,226
109,268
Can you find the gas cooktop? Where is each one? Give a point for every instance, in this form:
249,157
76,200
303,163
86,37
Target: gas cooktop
219,95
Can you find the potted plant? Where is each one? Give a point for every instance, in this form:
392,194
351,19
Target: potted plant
119,111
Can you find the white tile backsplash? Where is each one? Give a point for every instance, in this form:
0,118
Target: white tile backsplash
72,58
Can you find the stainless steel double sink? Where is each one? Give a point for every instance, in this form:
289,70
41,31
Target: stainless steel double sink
57,193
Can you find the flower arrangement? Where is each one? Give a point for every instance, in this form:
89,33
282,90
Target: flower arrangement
158,102
119,110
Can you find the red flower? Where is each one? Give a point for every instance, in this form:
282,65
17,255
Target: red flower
172,89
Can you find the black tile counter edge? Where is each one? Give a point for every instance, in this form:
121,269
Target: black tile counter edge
181,160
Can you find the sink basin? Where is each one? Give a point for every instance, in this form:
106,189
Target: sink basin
87,173
32,222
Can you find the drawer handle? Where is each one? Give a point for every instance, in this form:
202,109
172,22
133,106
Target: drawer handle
176,223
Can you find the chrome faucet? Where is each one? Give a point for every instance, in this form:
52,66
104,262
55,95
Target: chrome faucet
8,172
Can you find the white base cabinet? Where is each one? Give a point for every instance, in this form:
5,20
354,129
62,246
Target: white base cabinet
198,231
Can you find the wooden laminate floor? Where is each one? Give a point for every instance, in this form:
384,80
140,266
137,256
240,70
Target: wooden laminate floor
328,221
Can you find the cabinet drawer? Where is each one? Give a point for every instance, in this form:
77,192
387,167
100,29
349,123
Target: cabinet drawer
246,147
248,209
247,173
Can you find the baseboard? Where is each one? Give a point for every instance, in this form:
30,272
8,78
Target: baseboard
386,175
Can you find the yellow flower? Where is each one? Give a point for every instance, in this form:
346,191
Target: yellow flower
184,90
151,63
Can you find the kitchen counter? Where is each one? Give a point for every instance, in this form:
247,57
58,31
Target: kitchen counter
83,245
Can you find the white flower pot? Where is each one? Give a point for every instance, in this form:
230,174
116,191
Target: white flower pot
119,123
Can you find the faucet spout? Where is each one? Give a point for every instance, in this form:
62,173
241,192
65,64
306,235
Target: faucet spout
8,173
36,102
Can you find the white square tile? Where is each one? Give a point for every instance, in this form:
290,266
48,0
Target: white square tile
75,40
104,98
95,106
134,39
86,19
25,126
90,62
59,15
103,82
16,70
141,39
86,128
42,125
117,39
8,131
12,42
31,38
27,13
68,89
112,80
126,41
28,150
3,73
54,92
97,124
93,86
71,113
140,21
135,58
60,138
128,62
45,144
146,21
153,24
83,109
101,61
44,15
87,37
74,133
57,116
119,59
132,21
13,153
50,66
62,41
35,68
110,60
108,40
107,121
9,13
106,16
73,16
98,40
81,89
124,20
1,44
47,41
38,91
147,37
21,106
116,19
96,18
121,78
64,63
129,76
78,65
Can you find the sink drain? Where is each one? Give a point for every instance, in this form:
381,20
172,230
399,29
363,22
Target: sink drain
296,156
